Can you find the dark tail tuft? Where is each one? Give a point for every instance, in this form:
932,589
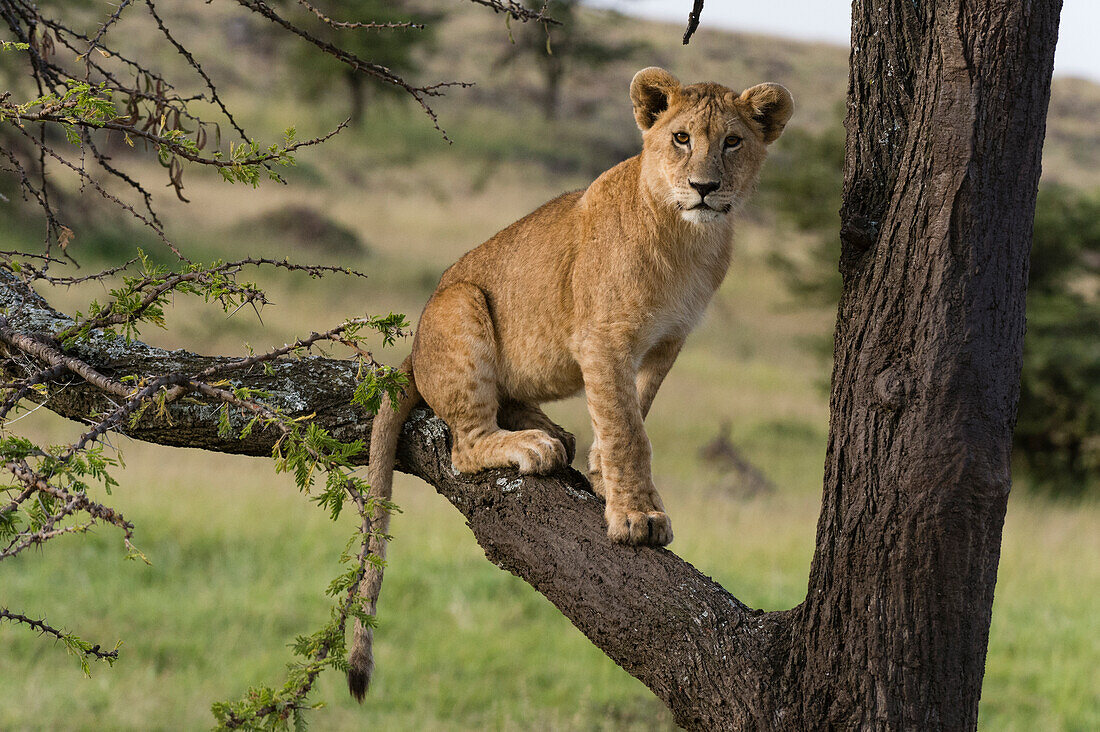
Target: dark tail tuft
361,660
358,683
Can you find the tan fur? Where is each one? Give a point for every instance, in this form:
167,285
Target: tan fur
383,446
594,291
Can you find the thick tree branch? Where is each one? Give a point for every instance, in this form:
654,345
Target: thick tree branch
696,646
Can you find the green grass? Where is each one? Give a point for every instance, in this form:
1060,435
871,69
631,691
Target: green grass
240,559
239,563
1043,668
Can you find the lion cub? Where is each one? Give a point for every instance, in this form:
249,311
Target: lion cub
594,291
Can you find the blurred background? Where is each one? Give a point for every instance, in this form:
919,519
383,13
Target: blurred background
239,563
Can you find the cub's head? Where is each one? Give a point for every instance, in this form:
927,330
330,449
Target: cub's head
704,144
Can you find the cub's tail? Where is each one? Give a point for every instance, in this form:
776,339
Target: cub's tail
383,446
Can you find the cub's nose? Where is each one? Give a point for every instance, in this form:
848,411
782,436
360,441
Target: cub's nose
704,188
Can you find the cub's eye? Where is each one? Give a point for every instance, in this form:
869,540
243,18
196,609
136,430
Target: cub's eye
681,137
732,141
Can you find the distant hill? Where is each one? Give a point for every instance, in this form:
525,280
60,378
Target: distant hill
816,73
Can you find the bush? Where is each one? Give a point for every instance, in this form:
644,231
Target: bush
802,183
1058,427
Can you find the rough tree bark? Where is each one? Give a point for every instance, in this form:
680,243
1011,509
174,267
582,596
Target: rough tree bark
947,106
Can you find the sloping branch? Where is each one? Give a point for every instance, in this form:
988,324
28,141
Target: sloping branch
696,646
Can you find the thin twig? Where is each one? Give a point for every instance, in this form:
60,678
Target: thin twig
42,627
54,357
408,25
693,20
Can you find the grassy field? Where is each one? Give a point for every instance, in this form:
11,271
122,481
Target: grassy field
239,559
239,563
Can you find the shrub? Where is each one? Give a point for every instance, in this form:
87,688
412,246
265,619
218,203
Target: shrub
1058,427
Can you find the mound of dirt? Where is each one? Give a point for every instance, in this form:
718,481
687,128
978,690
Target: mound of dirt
306,228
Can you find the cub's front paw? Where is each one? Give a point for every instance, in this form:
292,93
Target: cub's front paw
653,528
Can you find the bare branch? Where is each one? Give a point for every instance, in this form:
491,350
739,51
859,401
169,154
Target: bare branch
73,502
419,93
46,150
50,355
198,69
103,28
42,627
364,26
519,11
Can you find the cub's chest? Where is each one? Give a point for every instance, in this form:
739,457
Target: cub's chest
677,300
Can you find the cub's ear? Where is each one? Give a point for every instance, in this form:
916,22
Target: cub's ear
649,93
770,105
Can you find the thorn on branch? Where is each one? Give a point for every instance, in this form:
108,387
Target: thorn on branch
42,627
358,26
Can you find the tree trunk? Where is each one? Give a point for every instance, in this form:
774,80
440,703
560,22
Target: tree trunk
947,103
946,115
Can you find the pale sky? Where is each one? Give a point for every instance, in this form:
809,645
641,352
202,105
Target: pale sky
1077,54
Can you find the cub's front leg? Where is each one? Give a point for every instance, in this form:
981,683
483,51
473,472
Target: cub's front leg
634,513
654,368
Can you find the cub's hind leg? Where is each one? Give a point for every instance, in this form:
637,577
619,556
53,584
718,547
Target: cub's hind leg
515,415
455,357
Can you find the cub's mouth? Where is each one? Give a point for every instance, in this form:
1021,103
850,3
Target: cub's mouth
702,206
